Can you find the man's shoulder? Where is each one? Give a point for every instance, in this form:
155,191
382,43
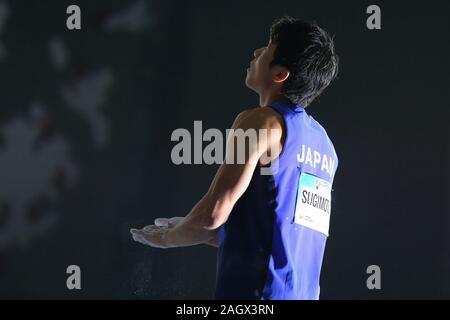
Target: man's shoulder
261,117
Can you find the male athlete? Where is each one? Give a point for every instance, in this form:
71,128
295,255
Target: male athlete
270,229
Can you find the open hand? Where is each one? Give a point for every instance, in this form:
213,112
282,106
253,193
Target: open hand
154,235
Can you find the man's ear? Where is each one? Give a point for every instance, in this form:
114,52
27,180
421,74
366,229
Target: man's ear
281,75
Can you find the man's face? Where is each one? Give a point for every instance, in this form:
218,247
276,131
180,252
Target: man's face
260,75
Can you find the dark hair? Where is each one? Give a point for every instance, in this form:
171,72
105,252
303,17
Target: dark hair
307,51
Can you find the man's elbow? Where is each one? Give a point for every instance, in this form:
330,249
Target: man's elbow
214,223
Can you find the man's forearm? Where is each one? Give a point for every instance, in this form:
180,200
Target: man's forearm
195,228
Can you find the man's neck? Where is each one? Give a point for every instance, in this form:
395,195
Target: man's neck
267,100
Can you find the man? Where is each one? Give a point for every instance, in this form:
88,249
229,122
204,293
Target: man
271,229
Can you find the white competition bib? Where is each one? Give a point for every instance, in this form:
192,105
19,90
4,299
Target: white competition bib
313,203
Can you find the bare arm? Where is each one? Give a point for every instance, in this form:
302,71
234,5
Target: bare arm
202,223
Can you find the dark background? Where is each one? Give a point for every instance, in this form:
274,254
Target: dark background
85,142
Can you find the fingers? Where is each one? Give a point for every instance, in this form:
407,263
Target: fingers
141,236
138,236
137,232
168,222
175,220
144,235
146,228
161,222
152,237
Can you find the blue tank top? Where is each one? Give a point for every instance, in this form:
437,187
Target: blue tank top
272,245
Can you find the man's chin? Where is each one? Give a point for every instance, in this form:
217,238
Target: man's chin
248,82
